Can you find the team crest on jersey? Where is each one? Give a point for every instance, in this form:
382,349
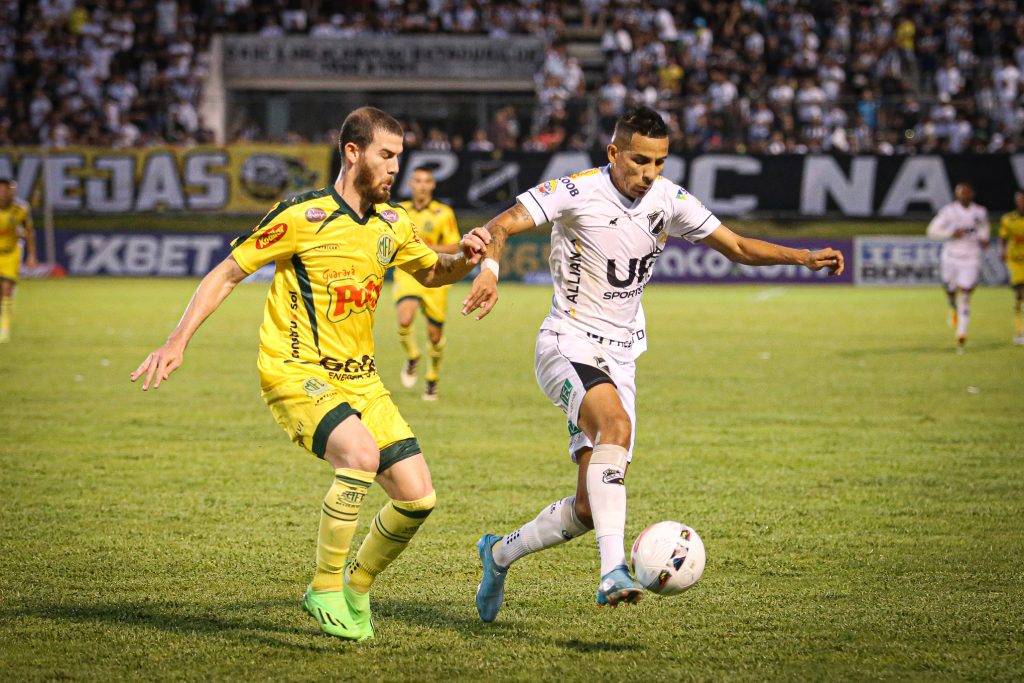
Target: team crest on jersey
385,250
656,221
389,216
271,235
349,296
315,215
548,187
314,387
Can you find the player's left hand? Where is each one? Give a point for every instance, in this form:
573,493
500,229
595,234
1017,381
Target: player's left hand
826,258
473,244
483,295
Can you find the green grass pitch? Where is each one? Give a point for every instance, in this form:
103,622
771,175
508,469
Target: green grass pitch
858,485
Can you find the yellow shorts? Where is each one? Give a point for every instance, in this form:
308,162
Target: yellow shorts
1016,273
9,264
433,300
308,405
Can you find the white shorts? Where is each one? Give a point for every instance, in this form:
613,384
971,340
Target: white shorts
959,273
566,366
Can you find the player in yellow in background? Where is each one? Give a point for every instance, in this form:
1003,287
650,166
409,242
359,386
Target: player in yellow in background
1011,248
15,223
439,229
318,375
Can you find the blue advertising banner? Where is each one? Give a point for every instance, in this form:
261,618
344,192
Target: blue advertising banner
910,261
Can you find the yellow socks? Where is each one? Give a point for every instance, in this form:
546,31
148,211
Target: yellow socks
6,311
436,355
407,335
338,526
392,529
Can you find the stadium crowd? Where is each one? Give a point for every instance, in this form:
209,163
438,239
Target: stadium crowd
767,76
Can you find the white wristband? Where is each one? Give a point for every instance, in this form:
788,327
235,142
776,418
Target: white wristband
491,265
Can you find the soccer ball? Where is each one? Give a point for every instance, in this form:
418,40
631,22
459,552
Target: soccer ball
667,558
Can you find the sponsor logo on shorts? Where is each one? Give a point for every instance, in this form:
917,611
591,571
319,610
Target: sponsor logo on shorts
573,429
389,216
386,250
349,296
315,215
565,394
613,476
350,368
271,235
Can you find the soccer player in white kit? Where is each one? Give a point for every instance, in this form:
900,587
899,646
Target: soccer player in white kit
609,226
963,226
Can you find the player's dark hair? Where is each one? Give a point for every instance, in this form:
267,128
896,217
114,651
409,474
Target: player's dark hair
424,168
361,124
966,183
640,121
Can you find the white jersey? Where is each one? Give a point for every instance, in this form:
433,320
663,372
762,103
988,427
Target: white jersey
603,249
973,220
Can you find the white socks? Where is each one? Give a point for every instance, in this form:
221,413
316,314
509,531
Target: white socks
556,524
963,309
606,487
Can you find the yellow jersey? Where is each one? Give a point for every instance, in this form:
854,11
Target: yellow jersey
13,217
329,268
1011,229
435,222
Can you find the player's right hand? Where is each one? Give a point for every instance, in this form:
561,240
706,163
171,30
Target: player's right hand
160,364
483,295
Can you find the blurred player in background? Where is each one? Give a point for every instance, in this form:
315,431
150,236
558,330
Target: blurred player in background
1011,248
439,230
963,226
15,224
332,247
609,225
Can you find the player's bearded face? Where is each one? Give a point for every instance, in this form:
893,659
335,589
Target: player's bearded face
376,168
636,164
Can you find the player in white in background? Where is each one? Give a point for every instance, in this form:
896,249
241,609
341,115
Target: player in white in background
963,226
609,226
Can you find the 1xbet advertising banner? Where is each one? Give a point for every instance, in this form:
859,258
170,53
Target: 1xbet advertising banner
525,258
235,178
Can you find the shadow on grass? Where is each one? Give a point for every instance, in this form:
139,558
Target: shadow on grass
931,350
232,621
445,616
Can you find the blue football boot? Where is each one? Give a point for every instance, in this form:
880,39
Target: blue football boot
618,586
491,591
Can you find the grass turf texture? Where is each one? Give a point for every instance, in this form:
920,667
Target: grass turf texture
861,507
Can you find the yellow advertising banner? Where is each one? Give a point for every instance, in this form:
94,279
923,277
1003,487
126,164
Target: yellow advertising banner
244,178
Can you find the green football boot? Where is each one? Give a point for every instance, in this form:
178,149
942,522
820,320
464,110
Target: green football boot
330,609
359,612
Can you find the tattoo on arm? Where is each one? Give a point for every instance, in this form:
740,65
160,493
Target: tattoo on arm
501,226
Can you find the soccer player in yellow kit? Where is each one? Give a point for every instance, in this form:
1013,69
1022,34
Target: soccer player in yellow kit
1011,248
15,222
332,247
439,229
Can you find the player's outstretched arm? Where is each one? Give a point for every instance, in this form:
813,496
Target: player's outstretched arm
451,268
484,293
213,289
753,252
